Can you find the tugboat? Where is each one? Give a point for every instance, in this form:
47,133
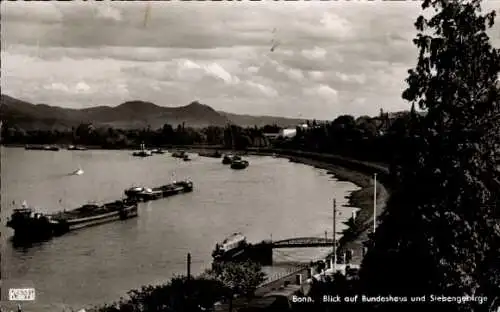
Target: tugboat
228,159
143,152
239,164
147,194
30,225
231,247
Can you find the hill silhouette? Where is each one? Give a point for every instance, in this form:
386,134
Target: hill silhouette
128,115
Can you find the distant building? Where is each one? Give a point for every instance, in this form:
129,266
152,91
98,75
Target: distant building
291,132
271,136
288,133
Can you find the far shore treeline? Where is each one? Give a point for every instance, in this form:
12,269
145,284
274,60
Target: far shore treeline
366,138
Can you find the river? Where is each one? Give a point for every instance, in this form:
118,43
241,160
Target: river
271,198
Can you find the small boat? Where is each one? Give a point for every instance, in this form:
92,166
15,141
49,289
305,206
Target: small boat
228,159
51,148
157,151
76,148
230,246
186,158
143,152
179,154
34,147
79,171
215,154
29,224
146,194
239,164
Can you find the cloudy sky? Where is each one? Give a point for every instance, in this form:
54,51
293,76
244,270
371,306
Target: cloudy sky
331,57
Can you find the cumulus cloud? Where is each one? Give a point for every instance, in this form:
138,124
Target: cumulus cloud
106,11
316,53
266,90
322,90
333,57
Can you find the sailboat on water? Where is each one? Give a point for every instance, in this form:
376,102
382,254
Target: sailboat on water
143,152
233,159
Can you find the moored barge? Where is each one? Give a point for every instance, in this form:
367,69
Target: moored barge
29,224
147,194
42,147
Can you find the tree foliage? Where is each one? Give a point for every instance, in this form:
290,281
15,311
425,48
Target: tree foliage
241,278
195,294
441,235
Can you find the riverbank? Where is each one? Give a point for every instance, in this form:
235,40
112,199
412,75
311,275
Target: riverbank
359,173
362,199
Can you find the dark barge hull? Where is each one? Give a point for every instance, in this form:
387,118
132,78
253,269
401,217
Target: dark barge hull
42,228
41,148
239,165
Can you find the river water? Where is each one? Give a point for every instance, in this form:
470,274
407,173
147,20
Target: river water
271,198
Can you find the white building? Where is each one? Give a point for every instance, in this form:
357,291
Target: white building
288,133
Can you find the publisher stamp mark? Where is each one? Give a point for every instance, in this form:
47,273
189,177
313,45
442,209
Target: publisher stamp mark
21,294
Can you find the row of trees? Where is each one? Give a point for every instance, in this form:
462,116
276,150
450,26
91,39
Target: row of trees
87,134
374,137
365,138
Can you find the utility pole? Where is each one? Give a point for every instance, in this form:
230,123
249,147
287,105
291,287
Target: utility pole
334,231
188,266
188,290
374,202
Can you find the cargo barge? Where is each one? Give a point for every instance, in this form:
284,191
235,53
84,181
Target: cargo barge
41,147
32,225
147,194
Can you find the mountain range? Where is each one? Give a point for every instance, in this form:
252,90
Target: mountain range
128,115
